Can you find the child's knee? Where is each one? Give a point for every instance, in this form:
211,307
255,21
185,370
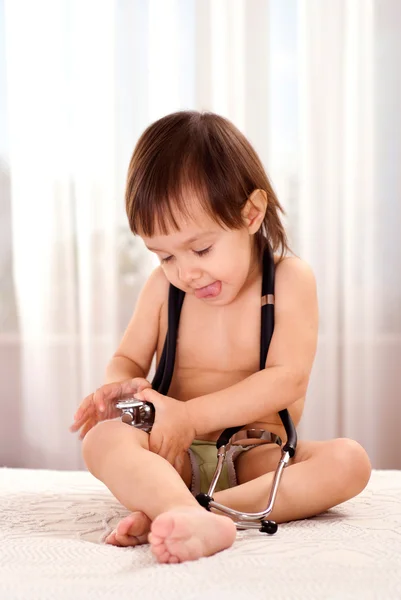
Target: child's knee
95,443
353,464
107,436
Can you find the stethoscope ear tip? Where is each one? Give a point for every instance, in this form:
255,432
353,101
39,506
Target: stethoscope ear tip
269,527
204,500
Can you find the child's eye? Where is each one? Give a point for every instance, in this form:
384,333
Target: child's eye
203,252
198,252
166,260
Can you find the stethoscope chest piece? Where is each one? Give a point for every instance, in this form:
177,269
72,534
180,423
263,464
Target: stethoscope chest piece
137,413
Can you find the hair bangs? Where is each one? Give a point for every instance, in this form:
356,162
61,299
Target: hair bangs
174,186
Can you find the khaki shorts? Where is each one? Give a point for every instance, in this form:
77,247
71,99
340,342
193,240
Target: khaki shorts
203,455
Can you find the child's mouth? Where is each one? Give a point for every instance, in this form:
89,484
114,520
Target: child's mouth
209,291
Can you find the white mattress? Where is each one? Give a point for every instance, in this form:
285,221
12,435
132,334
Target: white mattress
52,525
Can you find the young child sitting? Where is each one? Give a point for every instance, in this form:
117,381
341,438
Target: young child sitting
199,198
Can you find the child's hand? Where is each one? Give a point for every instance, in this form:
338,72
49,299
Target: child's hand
172,432
100,405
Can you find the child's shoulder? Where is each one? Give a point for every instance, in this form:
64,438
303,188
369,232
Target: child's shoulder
156,287
294,279
293,266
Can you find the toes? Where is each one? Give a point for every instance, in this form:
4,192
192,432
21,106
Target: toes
162,554
173,560
134,525
111,539
123,541
129,540
164,557
154,539
130,531
125,524
159,550
166,553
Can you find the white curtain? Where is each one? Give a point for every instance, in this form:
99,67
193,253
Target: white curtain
350,216
314,85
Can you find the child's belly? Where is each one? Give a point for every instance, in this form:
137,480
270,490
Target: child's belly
190,383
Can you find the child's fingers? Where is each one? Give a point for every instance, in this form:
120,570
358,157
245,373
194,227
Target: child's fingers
106,394
93,413
91,405
155,440
132,386
87,427
172,457
78,424
83,407
143,386
179,463
82,418
100,398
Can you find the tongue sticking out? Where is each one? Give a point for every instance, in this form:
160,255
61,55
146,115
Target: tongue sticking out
209,291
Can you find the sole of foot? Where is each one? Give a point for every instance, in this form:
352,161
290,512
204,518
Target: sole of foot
189,533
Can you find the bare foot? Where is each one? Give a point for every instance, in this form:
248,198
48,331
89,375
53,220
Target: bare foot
130,531
188,533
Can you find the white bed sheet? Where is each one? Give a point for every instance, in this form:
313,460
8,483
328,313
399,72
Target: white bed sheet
52,524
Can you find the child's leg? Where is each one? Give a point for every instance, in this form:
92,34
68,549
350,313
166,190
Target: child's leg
119,455
321,475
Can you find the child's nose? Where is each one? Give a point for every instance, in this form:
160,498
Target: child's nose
188,273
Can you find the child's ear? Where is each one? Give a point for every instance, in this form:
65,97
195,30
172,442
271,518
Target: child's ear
254,210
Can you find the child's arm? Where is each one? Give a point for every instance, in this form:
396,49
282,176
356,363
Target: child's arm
133,356
131,362
288,365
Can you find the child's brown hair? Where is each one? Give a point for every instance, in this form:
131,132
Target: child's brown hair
205,154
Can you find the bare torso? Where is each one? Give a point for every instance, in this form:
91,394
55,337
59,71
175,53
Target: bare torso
218,347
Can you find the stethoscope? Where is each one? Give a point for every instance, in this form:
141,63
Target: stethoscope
141,414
